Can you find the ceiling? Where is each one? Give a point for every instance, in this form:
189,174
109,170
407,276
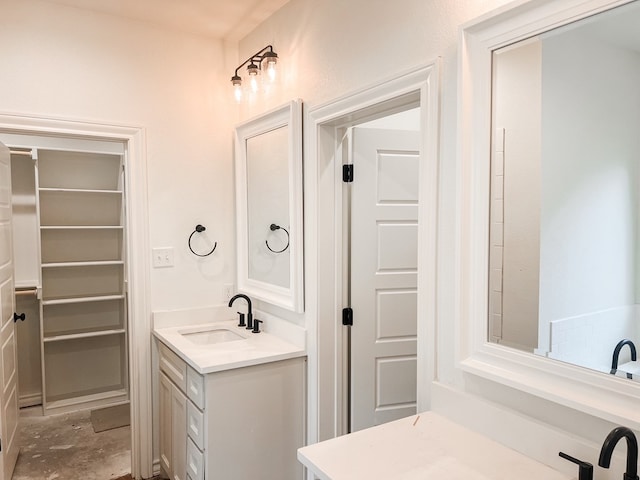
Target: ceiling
221,19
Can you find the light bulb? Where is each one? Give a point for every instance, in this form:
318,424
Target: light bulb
271,71
270,60
236,81
253,71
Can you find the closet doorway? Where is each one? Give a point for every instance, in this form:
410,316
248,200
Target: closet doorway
70,266
75,276
70,274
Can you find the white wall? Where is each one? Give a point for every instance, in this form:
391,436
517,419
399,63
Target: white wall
69,63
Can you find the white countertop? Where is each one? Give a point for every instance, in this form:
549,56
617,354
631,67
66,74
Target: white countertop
421,447
253,349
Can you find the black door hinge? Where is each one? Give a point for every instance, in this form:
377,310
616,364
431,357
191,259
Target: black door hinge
347,173
347,316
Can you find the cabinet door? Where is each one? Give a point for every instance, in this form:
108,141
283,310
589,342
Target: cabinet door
179,433
173,429
165,401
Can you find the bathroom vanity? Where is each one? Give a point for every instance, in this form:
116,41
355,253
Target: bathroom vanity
232,403
421,446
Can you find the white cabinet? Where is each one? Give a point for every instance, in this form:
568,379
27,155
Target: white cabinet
239,424
165,424
173,435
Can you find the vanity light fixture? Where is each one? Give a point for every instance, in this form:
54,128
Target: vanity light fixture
264,60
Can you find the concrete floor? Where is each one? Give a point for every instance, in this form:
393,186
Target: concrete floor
64,447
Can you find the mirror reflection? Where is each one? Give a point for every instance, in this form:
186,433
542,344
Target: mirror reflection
565,203
267,205
268,161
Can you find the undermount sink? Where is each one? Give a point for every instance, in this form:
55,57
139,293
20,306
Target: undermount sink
211,335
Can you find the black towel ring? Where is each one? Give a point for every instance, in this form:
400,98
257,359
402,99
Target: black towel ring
273,227
200,229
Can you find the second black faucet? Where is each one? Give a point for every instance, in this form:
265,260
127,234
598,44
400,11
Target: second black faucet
249,312
632,451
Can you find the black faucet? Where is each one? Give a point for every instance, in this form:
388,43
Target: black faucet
249,312
616,355
632,451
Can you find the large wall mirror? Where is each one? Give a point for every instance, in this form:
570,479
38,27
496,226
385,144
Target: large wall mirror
268,152
565,195
550,183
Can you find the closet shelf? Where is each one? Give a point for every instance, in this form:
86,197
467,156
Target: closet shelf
78,190
82,264
81,227
62,301
75,336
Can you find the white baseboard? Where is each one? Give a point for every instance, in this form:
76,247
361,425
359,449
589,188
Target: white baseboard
30,400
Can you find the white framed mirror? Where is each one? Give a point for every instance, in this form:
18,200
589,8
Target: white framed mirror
526,156
268,160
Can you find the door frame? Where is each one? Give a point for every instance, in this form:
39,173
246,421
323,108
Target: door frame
140,389
324,236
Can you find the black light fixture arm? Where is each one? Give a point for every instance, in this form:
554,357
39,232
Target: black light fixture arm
256,57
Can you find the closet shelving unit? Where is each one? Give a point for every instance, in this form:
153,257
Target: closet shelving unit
83,274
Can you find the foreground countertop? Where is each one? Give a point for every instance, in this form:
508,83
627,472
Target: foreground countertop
421,447
254,349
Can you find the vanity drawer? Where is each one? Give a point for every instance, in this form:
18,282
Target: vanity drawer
195,387
195,461
195,425
173,366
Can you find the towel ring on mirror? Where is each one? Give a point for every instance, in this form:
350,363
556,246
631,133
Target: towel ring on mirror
273,227
200,229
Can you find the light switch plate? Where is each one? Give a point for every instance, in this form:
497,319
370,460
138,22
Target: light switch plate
162,257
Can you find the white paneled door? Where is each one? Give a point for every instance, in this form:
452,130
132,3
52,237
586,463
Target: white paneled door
8,355
383,261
